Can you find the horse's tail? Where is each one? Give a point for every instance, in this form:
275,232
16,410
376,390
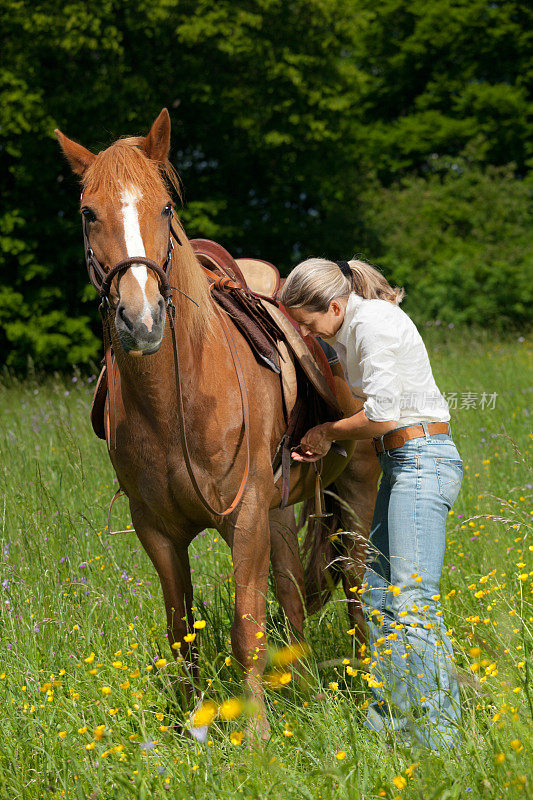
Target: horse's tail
323,551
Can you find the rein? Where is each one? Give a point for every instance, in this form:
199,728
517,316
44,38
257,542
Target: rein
102,279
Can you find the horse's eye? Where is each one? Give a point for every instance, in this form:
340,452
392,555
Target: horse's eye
89,214
167,210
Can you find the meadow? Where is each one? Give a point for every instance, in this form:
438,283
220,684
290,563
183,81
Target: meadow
86,674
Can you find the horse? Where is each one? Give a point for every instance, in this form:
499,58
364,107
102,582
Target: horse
127,216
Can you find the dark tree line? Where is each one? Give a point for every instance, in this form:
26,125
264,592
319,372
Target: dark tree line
400,131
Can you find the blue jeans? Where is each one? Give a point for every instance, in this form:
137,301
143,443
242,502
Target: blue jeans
411,674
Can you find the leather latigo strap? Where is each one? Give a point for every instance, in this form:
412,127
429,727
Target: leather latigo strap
395,439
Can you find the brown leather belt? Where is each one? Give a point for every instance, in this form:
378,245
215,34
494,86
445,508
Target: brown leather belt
398,438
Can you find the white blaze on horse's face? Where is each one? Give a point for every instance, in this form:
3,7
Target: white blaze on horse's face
135,245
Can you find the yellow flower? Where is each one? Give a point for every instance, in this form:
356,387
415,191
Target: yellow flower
259,635
524,577
99,732
205,714
83,730
236,737
189,637
160,663
287,655
176,645
125,685
46,687
288,733
106,690
199,624
163,728
159,716
76,628
89,659
135,674
410,769
516,744
89,746
341,754
117,664
475,651
285,678
400,782
333,685
230,709
62,734
499,758
227,661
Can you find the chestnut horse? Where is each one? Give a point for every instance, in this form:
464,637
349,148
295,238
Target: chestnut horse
126,204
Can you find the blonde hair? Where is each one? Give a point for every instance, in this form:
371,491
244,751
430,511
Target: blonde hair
314,283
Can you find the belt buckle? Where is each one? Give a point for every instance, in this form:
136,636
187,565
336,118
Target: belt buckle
379,439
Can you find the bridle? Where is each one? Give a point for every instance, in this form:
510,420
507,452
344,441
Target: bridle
102,279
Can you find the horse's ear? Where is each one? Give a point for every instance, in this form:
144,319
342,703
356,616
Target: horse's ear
79,158
157,143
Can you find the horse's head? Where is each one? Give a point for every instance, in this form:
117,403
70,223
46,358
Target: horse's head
126,210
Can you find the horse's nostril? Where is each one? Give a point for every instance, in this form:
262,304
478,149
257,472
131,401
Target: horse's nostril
123,317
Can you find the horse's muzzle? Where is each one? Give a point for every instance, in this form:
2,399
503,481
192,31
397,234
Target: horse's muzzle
142,334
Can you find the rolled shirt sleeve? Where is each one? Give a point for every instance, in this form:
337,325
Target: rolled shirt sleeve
377,351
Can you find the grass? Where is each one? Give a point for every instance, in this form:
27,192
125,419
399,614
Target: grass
81,610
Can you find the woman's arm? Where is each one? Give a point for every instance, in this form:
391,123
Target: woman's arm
357,427
317,441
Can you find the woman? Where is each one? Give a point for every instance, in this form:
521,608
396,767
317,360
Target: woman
411,670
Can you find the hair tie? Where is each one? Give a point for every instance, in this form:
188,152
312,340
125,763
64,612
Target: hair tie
345,269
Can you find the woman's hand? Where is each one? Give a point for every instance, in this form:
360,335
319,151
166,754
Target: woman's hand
314,445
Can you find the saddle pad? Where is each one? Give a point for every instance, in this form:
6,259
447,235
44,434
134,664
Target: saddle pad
261,337
261,277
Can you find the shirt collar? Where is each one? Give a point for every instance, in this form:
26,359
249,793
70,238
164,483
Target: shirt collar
353,304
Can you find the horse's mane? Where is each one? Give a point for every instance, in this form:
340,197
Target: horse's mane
124,163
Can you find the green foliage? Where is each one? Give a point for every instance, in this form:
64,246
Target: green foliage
69,589
459,241
289,121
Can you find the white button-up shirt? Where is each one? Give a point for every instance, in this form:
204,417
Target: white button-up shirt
386,363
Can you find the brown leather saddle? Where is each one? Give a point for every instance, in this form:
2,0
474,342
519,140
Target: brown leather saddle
245,289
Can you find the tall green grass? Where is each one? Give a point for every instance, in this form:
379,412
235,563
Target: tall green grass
81,610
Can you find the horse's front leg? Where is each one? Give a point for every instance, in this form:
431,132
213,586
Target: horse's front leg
171,560
250,546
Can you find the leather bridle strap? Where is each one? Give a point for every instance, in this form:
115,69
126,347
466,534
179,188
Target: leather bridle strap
102,280
181,413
